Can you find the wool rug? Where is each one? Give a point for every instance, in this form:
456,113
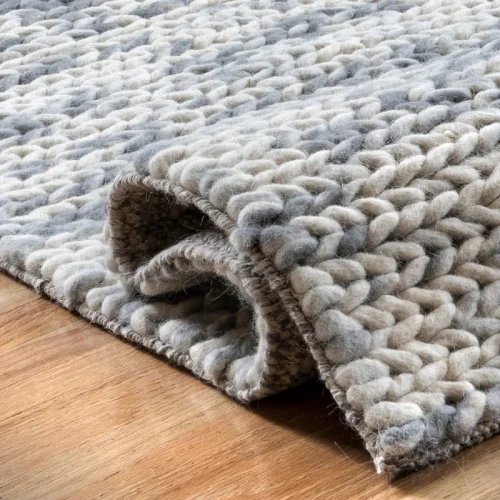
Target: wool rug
263,191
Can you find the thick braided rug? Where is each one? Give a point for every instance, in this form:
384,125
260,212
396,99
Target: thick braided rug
263,190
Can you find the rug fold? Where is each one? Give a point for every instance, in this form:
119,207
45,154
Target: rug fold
174,248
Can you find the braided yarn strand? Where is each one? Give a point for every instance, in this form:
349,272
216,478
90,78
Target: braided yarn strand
261,191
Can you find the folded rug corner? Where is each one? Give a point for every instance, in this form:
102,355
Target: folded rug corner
264,191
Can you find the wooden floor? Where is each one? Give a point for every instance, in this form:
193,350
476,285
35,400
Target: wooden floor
84,415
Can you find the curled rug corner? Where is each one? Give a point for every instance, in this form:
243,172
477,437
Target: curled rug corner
264,191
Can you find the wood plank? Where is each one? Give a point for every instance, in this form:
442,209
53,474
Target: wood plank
85,415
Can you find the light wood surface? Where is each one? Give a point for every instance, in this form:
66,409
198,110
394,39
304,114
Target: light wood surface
84,415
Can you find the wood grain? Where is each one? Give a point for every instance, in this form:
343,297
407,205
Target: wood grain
84,415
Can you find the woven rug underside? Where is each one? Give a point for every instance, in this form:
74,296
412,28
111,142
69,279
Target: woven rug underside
267,191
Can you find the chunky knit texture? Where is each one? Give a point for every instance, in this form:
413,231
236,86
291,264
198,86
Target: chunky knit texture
290,188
